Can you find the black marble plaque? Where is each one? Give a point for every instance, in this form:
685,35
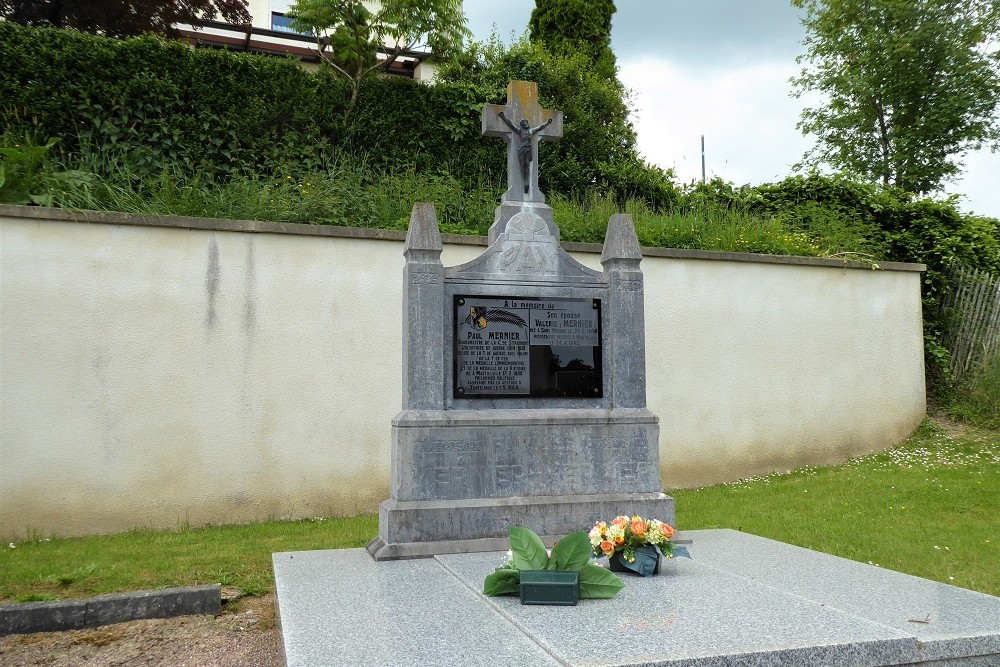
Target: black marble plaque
527,347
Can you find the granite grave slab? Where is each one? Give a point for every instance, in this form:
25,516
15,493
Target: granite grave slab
943,618
340,608
742,601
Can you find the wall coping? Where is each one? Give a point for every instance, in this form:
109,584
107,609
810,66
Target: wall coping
261,227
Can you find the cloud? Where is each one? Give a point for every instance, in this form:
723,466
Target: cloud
700,34
979,186
748,120
487,16
745,113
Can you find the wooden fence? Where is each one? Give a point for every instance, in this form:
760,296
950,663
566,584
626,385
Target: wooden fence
974,309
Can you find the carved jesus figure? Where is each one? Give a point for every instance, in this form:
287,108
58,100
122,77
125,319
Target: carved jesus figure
524,151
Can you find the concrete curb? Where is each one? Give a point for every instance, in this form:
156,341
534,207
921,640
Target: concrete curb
106,609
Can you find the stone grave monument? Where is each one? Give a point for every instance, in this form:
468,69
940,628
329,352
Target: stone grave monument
524,375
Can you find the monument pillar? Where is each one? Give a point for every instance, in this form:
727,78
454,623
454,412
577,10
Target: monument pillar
626,341
423,300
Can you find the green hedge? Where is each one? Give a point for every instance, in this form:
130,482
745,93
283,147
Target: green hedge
159,102
165,105
162,105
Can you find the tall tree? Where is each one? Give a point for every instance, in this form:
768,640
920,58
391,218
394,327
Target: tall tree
349,34
122,18
569,26
910,86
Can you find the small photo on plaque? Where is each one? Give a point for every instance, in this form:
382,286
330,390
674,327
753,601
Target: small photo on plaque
527,347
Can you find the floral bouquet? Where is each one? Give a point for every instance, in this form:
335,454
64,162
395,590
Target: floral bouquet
627,538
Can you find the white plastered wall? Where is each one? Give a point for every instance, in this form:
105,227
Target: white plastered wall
758,367
260,12
156,376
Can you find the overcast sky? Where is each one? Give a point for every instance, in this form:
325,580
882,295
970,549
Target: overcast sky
718,68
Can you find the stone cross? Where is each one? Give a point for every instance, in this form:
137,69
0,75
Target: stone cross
522,122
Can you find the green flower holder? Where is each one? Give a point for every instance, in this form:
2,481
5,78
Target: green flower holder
647,561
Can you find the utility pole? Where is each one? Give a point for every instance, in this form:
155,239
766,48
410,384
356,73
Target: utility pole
703,158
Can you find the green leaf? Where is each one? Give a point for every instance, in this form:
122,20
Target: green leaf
571,552
598,583
42,200
527,549
502,582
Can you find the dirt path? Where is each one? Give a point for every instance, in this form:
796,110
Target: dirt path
242,636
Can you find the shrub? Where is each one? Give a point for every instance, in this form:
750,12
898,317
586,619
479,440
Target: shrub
157,105
597,152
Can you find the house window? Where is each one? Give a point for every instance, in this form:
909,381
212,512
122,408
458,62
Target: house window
282,23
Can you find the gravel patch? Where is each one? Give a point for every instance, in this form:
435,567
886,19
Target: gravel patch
244,634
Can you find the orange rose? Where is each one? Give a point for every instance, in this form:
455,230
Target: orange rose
619,540
666,530
619,521
607,548
638,528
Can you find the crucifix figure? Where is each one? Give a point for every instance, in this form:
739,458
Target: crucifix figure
525,149
522,122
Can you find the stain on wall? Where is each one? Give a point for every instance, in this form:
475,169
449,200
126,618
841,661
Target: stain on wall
250,290
212,272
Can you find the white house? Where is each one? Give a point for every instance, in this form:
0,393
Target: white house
270,33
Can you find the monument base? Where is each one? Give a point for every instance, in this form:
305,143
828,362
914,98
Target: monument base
420,529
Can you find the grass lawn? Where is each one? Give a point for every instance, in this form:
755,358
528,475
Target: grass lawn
237,555
928,507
